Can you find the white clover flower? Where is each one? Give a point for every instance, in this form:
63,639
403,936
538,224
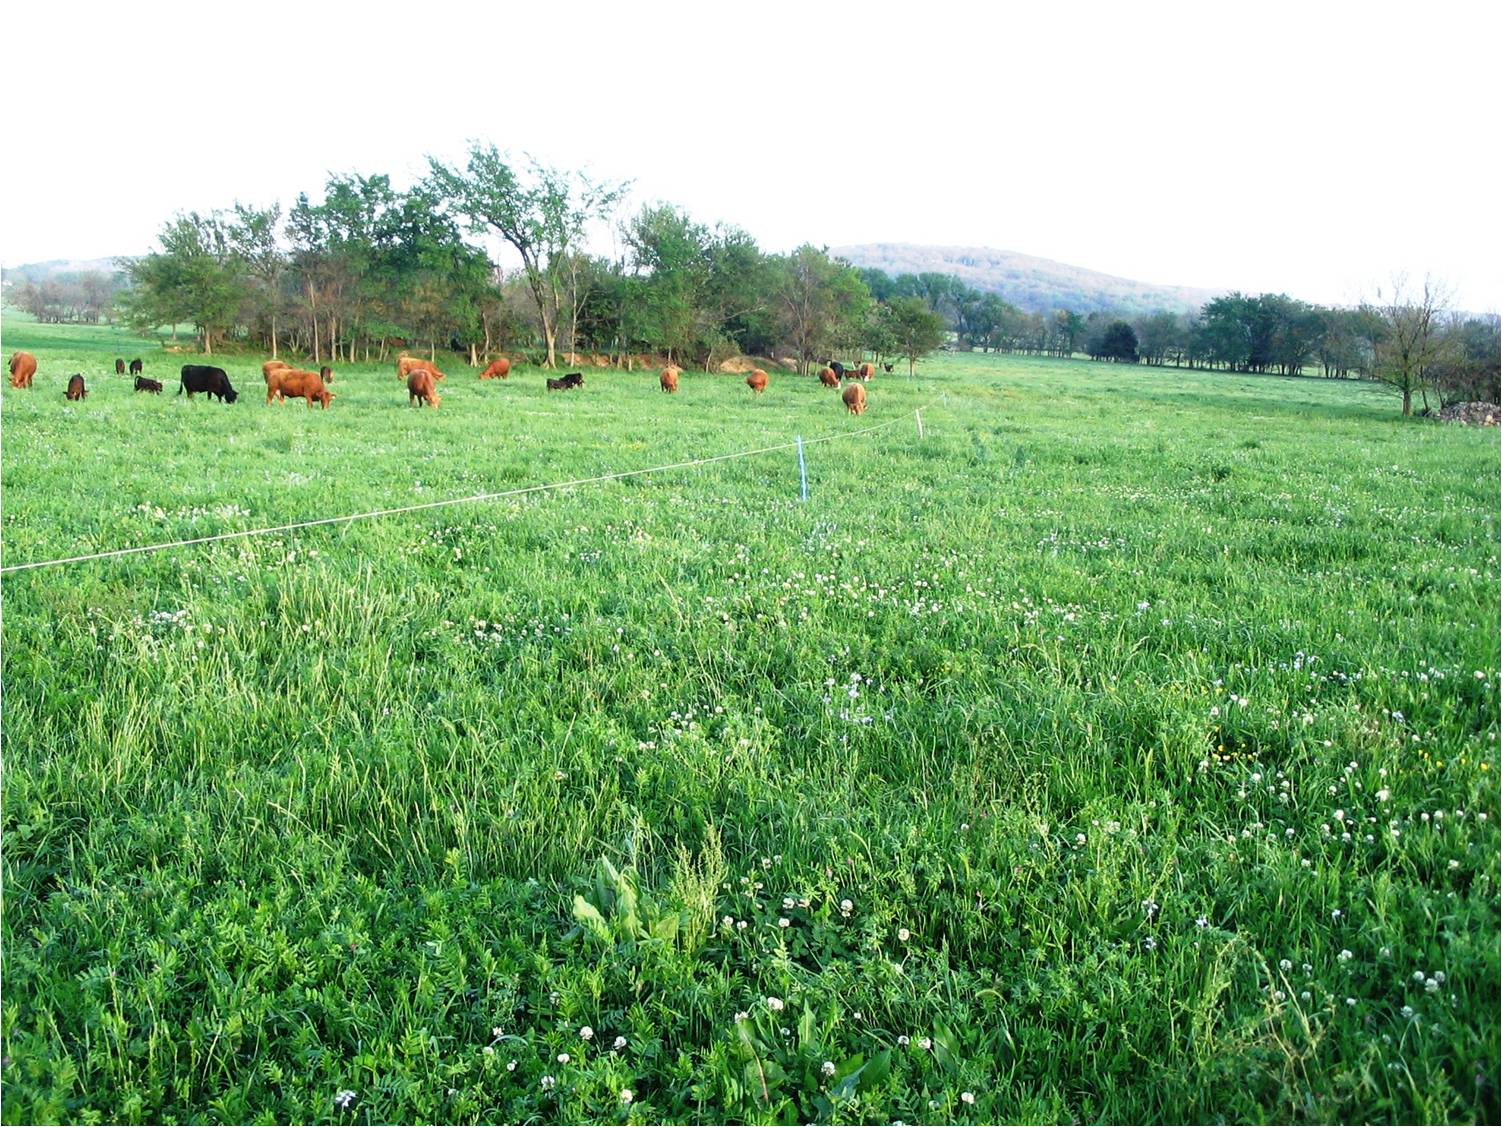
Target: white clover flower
925,1043
1285,964
1202,921
903,935
627,1095
510,1066
967,1097
586,1033
846,907
1079,839
1345,955
1418,976
345,1097
903,1039
619,1044
741,1015
496,1031
547,1083
1150,943
827,1068
774,1004
1350,1001
563,1058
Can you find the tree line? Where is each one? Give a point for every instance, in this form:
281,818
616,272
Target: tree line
372,268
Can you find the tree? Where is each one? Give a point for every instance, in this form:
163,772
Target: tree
196,277
543,221
1109,339
820,303
1470,372
1413,346
253,237
917,329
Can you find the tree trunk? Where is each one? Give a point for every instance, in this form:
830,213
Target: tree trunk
1407,402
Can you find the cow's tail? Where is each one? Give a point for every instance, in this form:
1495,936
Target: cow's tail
181,383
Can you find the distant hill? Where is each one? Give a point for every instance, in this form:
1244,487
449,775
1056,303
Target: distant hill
1033,284
38,272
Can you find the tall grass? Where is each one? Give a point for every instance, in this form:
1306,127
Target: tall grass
1124,749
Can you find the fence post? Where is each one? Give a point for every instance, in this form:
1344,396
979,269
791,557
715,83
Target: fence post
919,414
802,470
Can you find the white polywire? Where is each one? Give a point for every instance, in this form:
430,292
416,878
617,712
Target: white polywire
474,498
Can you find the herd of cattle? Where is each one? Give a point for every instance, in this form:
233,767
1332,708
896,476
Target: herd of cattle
422,376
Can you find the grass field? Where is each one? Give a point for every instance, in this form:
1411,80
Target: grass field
1125,749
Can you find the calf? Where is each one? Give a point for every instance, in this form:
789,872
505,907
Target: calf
573,379
757,381
669,379
136,367
153,386
855,399
421,389
201,377
23,366
282,382
326,374
828,378
76,390
119,367
497,369
887,368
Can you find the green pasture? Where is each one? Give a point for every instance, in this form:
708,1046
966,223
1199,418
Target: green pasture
1124,749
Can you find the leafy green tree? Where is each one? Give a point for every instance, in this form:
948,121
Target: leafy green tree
253,235
543,219
918,330
820,304
1157,333
1413,348
1070,327
195,277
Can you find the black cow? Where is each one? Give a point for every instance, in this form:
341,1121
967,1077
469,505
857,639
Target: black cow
143,384
119,367
573,379
887,368
201,377
135,366
839,369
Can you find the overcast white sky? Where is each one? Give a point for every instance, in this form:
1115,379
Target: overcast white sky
1314,148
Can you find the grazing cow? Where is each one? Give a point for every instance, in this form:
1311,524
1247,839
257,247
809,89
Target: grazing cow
23,365
76,390
573,379
838,368
828,378
119,366
422,389
855,399
282,382
136,367
497,369
153,386
887,368
201,377
406,365
866,371
757,381
669,379
326,374
271,366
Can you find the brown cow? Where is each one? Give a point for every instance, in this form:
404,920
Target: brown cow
119,367
406,365
326,374
757,381
828,378
669,379
497,369
76,390
421,388
271,366
299,384
855,399
866,371
23,365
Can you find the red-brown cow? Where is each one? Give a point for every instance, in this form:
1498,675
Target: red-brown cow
271,366
497,369
76,389
828,378
119,367
669,379
422,389
406,365
23,366
299,384
866,371
757,381
855,399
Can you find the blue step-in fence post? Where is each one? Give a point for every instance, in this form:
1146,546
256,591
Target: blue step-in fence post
802,470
